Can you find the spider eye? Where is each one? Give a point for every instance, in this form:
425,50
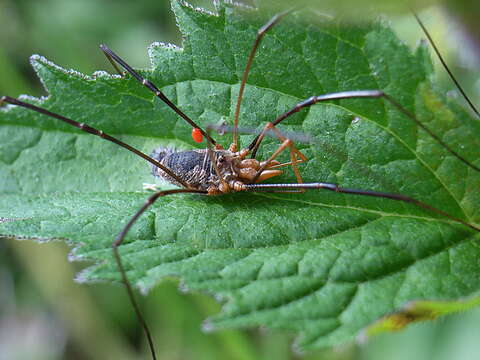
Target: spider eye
221,160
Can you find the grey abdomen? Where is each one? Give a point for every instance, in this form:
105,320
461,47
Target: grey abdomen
193,166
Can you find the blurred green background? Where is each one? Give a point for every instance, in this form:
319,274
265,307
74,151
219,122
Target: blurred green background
44,314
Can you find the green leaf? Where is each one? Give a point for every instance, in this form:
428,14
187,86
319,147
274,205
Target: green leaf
322,264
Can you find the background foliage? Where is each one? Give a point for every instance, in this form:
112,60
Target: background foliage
69,335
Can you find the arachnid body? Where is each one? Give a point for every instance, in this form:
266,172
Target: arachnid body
215,170
196,168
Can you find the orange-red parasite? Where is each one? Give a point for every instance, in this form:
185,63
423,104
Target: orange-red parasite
197,135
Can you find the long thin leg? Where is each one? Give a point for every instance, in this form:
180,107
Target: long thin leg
336,188
93,131
261,32
445,66
351,95
112,57
118,241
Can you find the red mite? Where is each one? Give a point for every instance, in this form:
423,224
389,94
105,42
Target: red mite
197,135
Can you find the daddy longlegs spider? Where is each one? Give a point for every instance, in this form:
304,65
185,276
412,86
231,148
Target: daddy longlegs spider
214,170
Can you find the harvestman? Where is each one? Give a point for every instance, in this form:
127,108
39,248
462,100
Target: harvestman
215,171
